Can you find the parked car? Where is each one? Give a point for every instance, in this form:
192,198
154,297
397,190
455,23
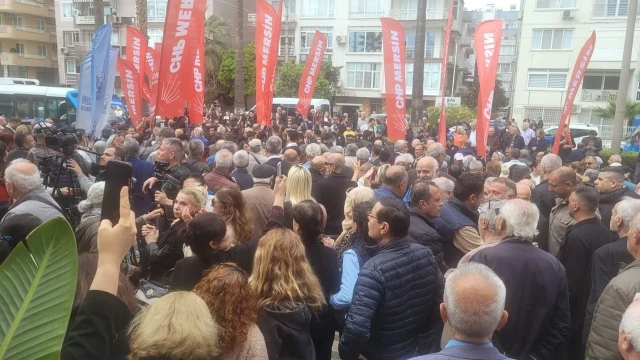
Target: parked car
578,132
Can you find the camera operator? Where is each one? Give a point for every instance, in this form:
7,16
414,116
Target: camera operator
110,153
171,152
40,149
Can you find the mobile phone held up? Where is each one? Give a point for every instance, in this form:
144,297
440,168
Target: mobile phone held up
118,174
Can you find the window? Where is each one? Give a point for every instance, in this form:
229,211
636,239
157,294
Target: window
67,11
366,8
306,37
552,39
429,45
156,10
42,50
431,76
601,82
505,68
510,24
365,41
506,86
155,36
556,4
70,65
637,94
317,8
71,38
115,38
41,25
547,79
290,3
283,45
20,48
363,75
17,71
610,8
18,22
507,50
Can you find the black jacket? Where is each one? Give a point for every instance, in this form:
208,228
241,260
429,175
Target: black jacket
397,296
332,193
286,333
576,253
514,141
316,177
545,199
422,232
539,144
243,178
608,201
538,300
163,255
607,262
282,167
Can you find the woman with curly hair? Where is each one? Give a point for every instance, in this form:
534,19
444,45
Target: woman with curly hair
225,289
287,293
229,203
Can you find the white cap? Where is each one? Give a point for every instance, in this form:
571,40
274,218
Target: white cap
458,156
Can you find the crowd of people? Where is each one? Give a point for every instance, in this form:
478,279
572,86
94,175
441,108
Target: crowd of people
240,241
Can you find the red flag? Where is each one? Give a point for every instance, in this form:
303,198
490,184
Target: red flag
267,42
152,69
442,129
574,84
130,80
310,73
393,49
195,96
176,73
135,53
487,48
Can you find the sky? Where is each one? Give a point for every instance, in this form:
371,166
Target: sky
482,4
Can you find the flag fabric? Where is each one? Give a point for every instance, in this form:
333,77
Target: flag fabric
393,50
487,48
130,80
136,53
99,69
153,80
442,128
110,78
574,85
85,99
310,73
268,23
195,96
183,17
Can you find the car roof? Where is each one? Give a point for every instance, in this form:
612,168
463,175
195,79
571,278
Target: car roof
576,126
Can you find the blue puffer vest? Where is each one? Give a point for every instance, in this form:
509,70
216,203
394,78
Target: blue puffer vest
453,217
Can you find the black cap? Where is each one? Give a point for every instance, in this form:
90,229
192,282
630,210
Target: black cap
263,171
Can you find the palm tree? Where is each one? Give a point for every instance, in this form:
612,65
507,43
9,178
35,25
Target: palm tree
632,109
98,6
141,16
239,85
417,109
216,42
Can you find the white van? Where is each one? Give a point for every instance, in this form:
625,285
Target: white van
289,104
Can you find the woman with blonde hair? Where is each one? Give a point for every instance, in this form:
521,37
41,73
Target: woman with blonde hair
287,293
178,325
229,203
299,184
225,289
354,196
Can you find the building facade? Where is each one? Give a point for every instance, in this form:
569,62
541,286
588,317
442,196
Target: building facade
553,33
28,46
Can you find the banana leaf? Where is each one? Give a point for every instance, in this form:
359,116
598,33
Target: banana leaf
36,293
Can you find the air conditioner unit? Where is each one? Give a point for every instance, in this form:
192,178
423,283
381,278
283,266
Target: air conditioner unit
341,39
568,14
115,19
576,108
64,50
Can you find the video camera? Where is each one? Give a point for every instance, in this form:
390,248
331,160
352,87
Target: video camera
64,139
165,182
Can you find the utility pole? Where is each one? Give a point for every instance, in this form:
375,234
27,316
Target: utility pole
417,107
286,30
621,101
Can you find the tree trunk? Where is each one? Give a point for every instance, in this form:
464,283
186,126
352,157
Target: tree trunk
141,16
98,15
417,108
239,85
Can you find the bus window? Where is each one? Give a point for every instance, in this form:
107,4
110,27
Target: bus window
6,105
22,107
38,109
325,108
53,108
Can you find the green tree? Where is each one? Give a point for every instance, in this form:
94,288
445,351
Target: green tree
469,97
226,74
332,75
453,114
288,81
632,109
215,45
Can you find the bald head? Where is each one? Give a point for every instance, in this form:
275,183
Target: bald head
436,151
291,156
427,168
318,163
396,178
21,177
336,161
523,191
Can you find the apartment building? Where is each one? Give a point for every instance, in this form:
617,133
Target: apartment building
553,32
354,42
28,40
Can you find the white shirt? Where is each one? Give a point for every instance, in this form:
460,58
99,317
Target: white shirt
472,138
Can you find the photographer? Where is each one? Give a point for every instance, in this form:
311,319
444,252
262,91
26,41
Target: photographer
171,152
40,149
110,153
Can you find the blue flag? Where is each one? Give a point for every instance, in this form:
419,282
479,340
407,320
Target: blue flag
85,105
110,78
99,68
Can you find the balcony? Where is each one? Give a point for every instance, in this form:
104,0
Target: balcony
21,33
412,14
430,52
26,7
27,60
281,50
589,95
611,11
83,20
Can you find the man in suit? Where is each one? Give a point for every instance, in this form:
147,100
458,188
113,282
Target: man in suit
274,149
332,193
317,169
474,299
260,197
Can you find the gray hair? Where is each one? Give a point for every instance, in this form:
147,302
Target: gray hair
521,218
444,184
363,154
397,147
241,159
223,159
488,212
95,194
198,132
324,148
489,180
550,162
351,150
274,145
475,165
465,315
407,158
99,146
22,182
312,150
131,147
524,154
466,161
630,324
627,209
337,150
436,152
592,174
196,148
176,146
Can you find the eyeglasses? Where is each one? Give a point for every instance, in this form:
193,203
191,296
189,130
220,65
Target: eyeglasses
370,214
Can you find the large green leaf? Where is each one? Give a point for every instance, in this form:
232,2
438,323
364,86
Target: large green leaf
36,293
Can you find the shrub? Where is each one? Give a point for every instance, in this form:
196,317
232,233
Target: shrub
629,158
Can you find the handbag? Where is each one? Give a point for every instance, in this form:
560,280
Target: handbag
150,291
